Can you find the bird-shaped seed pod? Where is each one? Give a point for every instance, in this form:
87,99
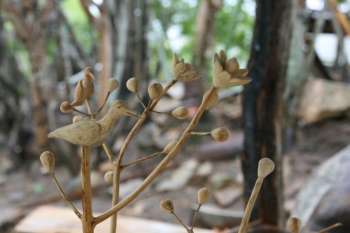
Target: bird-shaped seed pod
203,196
108,177
227,73
167,205
155,90
132,85
79,95
91,132
47,159
180,113
88,83
112,85
213,99
66,107
220,134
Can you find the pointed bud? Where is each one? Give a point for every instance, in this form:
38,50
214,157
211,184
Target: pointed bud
112,85
65,107
180,113
132,85
79,95
265,167
169,147
88,83
47,159
155,90
167,205
109,177
220,134
203,196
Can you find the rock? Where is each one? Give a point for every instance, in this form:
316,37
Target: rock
211,216
323,99
324,200
227,196
179,178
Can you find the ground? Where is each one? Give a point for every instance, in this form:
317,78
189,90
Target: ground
24,189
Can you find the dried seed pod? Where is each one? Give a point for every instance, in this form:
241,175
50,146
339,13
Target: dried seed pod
66,107
76,119
155,90
169,147
88,83
132,85
79,95
220,134
202,196
265,167
213,99
294,225
183,71
47,159
112,85
108,177
180,113
167,205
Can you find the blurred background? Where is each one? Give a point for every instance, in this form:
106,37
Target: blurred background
296,110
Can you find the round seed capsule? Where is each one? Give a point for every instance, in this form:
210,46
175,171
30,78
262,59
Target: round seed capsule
47,159
180,113
167,205
66,107
265,167
220,134
108,177
203,196
155,90
132,85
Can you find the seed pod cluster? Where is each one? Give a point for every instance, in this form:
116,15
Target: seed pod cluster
183,71
155,90
47,159
132,85
220,134
167,205
180,113
202,196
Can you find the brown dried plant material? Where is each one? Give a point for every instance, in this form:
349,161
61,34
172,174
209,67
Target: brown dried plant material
180,113
183,71
66,107
88,83
212,101
132,85
265,167
167,205
169,147
79,95
89,132
203,196
155,90
220,134
112,85
227,72
294,225
47,159
108,177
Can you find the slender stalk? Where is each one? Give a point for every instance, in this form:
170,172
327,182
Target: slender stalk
78,111
148,157
200,133
129,137
169,157
87,217
140,100
194,216
104,103
331,227
64,196
88,106
250,205
180,221
107,151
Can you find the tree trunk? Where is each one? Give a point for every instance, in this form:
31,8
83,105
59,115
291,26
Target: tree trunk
262,105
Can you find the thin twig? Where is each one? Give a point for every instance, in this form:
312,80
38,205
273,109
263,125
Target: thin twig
64,196
331,227
147,157
194,216
200,133
88,106
140,100
78,111
107,151
104,103
180,221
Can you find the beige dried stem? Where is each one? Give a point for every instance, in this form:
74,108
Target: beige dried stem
265,167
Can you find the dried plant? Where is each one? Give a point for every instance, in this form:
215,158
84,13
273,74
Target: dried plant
89,129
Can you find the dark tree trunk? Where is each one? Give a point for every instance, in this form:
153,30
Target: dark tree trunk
262,105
